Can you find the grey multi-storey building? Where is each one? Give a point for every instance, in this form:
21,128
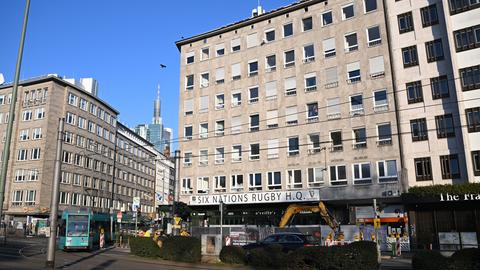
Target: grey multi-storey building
92,139
293,105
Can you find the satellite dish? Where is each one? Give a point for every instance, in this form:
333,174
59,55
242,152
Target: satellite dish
2,79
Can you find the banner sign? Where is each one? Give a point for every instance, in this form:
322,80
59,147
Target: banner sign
257,197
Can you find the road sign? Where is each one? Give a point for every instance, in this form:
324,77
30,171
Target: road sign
376,223
119,216
170,197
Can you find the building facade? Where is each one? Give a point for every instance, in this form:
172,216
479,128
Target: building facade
95,168
293,105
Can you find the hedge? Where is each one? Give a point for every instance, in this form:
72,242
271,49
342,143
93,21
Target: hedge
435,190
143,247
465,259
181,248
233,255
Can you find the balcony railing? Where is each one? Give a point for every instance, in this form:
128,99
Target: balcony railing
311,88
377,75
309,59
360,145
290,92
334,115
331,84
374,42
354,80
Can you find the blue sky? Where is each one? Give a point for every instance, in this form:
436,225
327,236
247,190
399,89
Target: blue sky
120,43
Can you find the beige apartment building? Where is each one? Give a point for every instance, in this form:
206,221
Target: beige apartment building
88,157
295,105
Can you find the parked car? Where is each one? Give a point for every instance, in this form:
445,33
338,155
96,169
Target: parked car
289,241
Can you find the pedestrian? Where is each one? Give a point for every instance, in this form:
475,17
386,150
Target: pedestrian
25,229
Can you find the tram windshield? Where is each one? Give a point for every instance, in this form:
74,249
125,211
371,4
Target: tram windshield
77,225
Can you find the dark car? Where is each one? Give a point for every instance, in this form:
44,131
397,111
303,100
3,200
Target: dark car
289,241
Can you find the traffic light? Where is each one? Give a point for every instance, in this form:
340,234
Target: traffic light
138,212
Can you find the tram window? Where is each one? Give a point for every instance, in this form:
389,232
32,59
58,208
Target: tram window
77,226
62,227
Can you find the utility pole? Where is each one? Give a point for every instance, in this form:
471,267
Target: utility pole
376,215
55,194
11,113
221,220
175,193
113,186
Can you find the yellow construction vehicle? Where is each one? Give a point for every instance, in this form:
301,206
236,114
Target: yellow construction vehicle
294,209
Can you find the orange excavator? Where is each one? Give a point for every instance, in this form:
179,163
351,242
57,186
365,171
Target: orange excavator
325,214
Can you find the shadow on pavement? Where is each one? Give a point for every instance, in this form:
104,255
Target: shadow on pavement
84,258
103,265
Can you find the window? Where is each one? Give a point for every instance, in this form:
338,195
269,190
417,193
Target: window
72,99
445,127
253,95
370,5
360,138
204,80
270,35
236,124
237,182
440,87
203,104
252,68
272,118
203,159
190,57
33,175
329,47
20,175
338,175
434,50
30,197
380,101
272,148
254,122
310,82
419,129
219,101
287,30
356,105
289,58
450,167
467,38
220,183
387,171
353,73
220,49
429,15
64,198
373,36
348,12
459,6
219,155
314,143
255,181
308,53
22,154
40,113
35,154
205,54
82,122
26,115
361,173
189,82
270,63
331,77
351,42
187,160
186,186
220,75
271,90
24,135
235,45
219,128
290,86
327,18
188,132
307,24
254,151
294,179
473,119
470,78
252,40
312,112
384,132
336,139
315,177
236,99
293,146
274,180
236,153
405,22
476,162
236,72
291,115
414,92
203,184
17,198
203,131
91,127
410,57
